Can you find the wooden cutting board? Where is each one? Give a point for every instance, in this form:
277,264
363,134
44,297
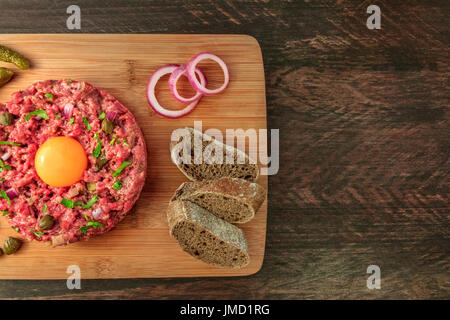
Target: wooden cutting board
140,246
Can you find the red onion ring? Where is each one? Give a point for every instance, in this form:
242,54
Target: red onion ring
68,109
192,65
151,97
176,75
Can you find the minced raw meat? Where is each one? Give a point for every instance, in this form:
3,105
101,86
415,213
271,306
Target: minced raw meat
112,205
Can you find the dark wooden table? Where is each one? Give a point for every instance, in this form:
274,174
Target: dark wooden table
364,129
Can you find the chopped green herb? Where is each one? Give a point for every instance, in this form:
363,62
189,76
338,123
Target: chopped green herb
69,81
15,228
49,96
91,202
122,166
71,204
112,141
71,120
44,209
10,143
67,203
102,116
37,233
88,126
4,166
95,224
98,148
84,229
3,195
39,112
117,185
91,224
5,212
57,116
125,142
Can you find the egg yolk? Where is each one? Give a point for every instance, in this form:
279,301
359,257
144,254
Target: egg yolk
60,161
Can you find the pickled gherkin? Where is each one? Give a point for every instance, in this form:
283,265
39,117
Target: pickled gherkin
11,56
5,75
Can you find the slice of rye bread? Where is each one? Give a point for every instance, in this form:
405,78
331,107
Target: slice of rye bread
232,199
206,167
207,237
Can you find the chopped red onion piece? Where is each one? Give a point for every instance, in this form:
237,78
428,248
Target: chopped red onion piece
11,193
6,156
68,109
96,213
111,115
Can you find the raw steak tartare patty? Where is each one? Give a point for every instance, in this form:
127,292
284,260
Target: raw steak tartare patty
105,193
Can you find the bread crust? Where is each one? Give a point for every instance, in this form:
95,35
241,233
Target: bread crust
184,213
225,148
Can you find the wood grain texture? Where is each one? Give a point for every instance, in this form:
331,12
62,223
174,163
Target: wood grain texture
363,117
140,247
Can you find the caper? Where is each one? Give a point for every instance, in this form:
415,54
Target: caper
6,118
46,222
101,162
107,126
11,245
91,186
